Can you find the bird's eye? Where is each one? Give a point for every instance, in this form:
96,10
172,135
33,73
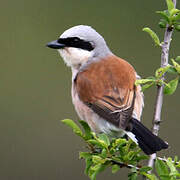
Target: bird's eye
92,44
76,39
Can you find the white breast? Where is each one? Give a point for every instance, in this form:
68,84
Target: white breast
75,56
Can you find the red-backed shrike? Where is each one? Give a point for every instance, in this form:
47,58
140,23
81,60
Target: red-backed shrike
103,87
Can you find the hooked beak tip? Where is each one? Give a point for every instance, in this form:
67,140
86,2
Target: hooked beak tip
55,45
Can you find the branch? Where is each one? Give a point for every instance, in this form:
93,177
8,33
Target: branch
159,99
129,166
165,160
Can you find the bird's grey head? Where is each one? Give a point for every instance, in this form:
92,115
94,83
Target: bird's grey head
79,45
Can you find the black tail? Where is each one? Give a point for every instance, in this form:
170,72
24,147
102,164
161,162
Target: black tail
147,141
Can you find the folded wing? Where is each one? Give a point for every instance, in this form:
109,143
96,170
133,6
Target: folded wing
107,87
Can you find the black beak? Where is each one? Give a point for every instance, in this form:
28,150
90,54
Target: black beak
55,45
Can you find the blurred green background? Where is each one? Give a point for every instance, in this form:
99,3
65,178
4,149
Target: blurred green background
35,83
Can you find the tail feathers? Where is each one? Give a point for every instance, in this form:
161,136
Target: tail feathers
147,141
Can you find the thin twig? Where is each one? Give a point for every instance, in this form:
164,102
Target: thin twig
120,164
165,160
159,99
129,166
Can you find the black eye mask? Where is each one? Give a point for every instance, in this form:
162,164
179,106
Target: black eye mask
76,42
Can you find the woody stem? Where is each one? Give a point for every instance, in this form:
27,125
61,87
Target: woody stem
159,98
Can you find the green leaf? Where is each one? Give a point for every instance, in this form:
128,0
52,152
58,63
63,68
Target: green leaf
147,86
132,155
153,35
177,27
162,23
174,11
141,157
132,176
178,58
74,126
94,171
176,17
175,159
104,138
178,165
120,142
97,143
161,168
176,65
104,153
149,176
177,175
87,129
143,81
172,70
148,82
127,150
165,15
115,168
97,169
97,159
89,163
160,71
170,5
166,177
85,155
145,169
170,88
172,167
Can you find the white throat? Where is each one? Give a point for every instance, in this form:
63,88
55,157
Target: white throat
75,57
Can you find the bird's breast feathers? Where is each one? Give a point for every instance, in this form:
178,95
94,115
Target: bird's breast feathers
74,57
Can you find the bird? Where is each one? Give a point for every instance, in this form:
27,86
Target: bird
103,91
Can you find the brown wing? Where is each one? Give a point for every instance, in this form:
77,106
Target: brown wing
107,87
